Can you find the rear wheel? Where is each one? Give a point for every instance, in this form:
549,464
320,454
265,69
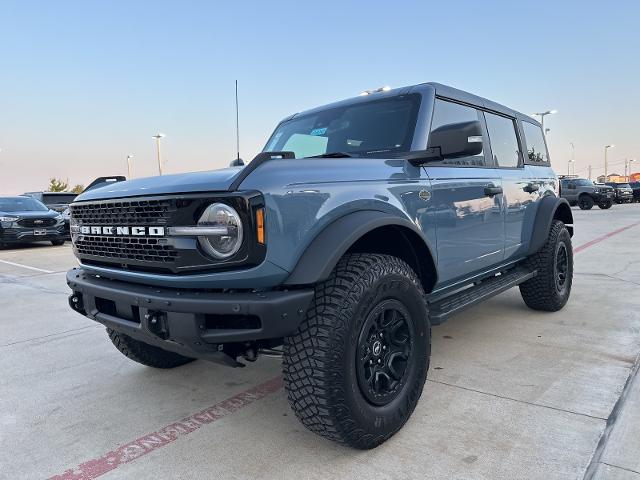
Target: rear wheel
549,290
57,243
585,202
355,368
144,353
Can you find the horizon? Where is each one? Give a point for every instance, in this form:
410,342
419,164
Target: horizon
89,84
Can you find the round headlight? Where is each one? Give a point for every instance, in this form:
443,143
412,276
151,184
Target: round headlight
228,241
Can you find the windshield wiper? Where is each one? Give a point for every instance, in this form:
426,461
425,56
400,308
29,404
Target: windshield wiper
333,155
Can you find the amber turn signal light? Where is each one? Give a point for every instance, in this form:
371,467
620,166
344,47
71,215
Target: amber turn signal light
260,225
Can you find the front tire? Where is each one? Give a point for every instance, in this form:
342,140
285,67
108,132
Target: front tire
606,205
585,202
144,353
549,290
355,368
57,243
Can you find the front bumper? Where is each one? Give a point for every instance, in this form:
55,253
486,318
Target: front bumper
26,235
604,196
194,323
624,196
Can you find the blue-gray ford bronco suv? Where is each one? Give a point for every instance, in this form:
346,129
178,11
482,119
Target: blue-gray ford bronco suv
361,224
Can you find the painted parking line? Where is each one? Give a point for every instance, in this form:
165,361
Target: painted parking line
26,266
595,241
148,443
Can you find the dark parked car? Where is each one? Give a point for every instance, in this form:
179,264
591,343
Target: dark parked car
586,194
25,220
635,186
58,201
624,192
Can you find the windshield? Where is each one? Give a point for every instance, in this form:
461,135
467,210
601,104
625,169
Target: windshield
21,204
373,128
584,183
624,185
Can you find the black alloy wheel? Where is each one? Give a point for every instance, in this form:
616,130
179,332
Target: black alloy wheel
384,350
561,267
585,202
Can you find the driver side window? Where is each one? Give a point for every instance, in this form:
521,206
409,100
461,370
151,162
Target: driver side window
448,113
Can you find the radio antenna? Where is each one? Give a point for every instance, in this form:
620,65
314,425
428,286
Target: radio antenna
237,126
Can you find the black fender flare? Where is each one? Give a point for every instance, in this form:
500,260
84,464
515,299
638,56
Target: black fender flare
323,253
550,208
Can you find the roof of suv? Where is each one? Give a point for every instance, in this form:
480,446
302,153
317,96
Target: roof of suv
440,90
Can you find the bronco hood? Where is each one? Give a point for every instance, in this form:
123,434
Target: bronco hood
209,181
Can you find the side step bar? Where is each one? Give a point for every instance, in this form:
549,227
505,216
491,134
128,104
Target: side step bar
441,309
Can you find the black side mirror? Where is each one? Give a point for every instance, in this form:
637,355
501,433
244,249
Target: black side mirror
458,139
453,140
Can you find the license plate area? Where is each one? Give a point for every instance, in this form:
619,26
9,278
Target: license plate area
39,232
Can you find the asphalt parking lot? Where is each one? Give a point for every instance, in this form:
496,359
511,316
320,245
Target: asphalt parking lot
511,394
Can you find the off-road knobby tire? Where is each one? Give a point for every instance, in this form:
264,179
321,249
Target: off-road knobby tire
540,292
585,202
319,361
57,243
606,205
144,353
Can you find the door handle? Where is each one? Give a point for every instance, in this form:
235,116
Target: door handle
491,190
531,187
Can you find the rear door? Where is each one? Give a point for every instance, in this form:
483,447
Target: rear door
466,204
519,192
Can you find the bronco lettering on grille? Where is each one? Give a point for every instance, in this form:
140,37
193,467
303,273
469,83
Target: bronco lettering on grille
134,231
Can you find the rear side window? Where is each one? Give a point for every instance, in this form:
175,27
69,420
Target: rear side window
447,113
536,148
504,142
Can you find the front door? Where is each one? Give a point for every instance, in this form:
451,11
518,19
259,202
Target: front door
466,204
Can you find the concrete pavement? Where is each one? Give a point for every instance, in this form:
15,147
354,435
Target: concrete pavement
512,393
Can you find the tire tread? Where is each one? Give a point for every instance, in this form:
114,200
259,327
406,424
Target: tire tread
144,353
539,293
311,359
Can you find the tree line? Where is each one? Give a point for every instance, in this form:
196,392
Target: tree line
59,185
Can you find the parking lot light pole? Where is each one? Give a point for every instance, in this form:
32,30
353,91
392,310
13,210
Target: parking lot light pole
158,136
544,114
572,160
606,161
129,157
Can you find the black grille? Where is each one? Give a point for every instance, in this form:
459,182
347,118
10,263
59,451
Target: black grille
37,222
139,212
126,248
158,254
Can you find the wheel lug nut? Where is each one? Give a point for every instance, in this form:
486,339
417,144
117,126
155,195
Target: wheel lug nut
384,347
379,361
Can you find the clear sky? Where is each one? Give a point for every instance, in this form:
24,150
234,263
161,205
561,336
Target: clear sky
84,83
